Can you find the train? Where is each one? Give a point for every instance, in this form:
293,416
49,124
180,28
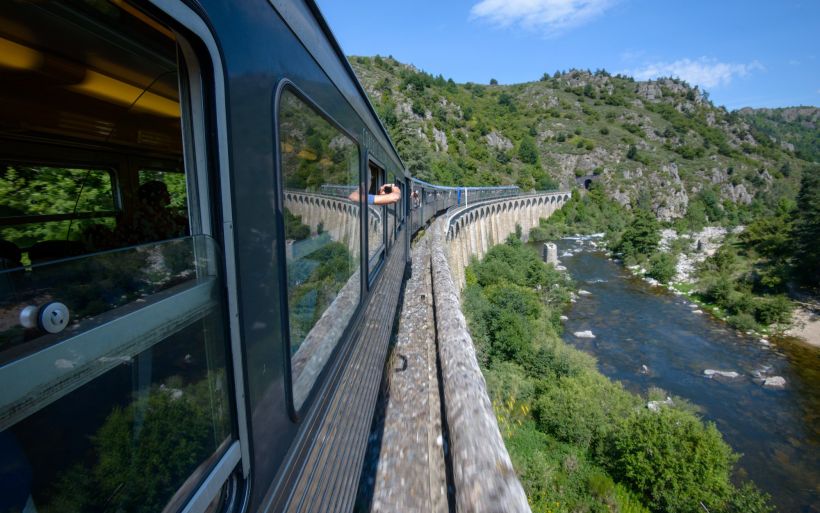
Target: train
197,289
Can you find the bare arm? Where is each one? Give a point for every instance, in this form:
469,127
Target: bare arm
387,198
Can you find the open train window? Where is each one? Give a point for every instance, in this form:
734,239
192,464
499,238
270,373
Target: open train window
319,166
375,219
113,344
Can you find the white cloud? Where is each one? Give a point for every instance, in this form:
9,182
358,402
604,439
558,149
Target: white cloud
704,71
552,17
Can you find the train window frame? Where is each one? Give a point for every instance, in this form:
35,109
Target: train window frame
205,153
300,413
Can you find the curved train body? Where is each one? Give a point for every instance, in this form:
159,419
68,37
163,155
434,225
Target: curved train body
196,298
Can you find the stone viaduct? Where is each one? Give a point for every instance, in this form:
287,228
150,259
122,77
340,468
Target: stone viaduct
438,445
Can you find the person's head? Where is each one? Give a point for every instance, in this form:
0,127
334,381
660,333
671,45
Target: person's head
154,193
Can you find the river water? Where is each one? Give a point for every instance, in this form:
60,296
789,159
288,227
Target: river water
776,430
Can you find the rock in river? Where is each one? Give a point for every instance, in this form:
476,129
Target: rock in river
726,374
584,334
775,382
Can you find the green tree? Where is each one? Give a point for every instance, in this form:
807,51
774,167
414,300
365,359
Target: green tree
807,228
662,266
527,151
641,236
672,459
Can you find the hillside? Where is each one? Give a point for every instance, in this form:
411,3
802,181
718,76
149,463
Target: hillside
661,144
796,128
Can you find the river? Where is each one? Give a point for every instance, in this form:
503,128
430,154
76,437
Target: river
776,430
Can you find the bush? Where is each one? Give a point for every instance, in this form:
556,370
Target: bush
581,409
773,310
672,460
662,267
743,321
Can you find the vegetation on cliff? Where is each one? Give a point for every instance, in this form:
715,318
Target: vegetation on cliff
579,441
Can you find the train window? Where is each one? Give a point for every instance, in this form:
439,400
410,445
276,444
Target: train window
322,233
375,218
45,203
113,345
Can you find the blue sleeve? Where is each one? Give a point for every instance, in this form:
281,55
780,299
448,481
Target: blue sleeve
371,198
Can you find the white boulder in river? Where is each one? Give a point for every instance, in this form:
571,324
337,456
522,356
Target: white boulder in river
583,292
726,374
775,382
584,334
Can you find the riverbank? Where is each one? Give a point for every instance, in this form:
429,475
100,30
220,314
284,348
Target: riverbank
806,327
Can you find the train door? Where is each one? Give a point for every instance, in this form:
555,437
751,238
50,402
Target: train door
115,361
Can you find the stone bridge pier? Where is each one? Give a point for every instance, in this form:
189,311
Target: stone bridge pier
473,230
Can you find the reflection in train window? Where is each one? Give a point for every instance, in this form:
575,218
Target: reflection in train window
322,236
113,345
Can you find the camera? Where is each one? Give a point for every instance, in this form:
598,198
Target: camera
388,189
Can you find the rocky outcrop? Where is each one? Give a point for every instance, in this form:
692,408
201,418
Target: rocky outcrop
498,141
440,140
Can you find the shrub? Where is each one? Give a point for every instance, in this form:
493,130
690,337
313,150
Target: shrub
672,460
662,267
580,409
743,321
773,310
748,499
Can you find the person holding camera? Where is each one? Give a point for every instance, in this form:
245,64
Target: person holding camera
387,195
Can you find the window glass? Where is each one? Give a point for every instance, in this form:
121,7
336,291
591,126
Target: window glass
322,232
42,190
113,345
81,196
129,439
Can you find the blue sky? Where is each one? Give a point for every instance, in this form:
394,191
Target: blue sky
744,53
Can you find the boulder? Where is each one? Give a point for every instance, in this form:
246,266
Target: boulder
726,374
584,334
774,382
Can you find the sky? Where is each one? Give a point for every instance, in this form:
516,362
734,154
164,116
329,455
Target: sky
749,53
